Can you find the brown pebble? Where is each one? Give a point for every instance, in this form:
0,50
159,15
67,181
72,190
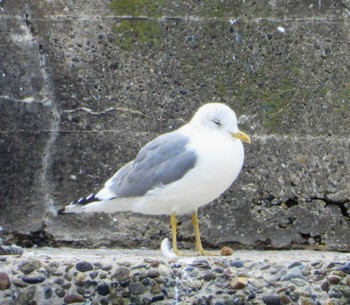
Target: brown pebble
5,282
239,283
154,263
284,299
73,298
334,280
348,281
153,274
226,251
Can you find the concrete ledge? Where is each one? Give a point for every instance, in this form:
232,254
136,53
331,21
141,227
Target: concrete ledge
111,276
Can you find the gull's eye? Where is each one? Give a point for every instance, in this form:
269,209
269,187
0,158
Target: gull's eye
217,122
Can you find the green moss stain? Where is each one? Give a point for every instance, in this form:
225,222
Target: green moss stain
137,31
136,8
134,31
341,100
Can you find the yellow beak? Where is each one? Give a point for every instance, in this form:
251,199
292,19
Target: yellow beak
240,135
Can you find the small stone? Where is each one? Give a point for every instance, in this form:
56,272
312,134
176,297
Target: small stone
219,270
48,292
306,302
84,266
284,299
66,286
104,301
334,280
137,288
295,264
121,274
26,296
299,282
103,289
29,266
154,263
345,268
107,268
93,274
102,275
164,270
236,263
348,281
155,288
19,283
226,251
153,274
272,300
125,264
293,274
58,281
60,292
73,298
201,264
239,283
325,286
34,279
334,293
345,290
80,277
5,282
210,276
157,298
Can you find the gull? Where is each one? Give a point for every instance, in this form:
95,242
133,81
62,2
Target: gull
177,172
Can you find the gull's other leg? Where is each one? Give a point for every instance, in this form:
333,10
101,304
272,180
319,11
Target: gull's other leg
173,223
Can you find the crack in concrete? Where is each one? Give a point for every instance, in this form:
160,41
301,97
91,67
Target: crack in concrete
47,96
122,109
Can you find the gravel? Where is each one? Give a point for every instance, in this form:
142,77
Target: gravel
109,276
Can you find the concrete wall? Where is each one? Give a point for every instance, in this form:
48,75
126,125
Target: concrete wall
85,84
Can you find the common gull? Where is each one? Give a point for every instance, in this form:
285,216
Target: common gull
177,172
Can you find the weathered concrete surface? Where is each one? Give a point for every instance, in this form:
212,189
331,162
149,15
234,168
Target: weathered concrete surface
84,85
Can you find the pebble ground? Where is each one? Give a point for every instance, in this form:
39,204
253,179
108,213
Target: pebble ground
104,276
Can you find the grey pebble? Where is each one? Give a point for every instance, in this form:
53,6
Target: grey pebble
295,264
29,266
272,300
209,276
19,283
121,274
26,296
345,268
237,263
107,268
60,292
137,288
84,266
93,274
153,274
293,273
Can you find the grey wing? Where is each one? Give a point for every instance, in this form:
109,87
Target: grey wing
160,162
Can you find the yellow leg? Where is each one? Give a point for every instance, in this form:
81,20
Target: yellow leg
199,247
173,223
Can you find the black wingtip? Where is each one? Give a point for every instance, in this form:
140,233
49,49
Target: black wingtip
61,211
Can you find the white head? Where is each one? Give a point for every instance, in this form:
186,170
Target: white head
218,116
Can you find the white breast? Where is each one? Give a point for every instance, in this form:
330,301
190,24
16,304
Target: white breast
220,159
